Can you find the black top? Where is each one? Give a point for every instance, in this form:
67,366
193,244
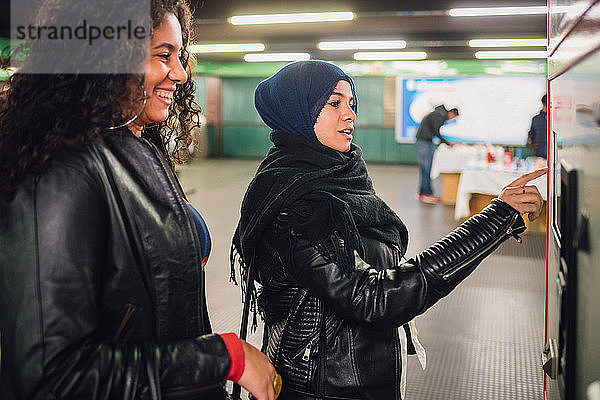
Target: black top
430,125
538,134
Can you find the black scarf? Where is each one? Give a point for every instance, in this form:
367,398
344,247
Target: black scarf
335,184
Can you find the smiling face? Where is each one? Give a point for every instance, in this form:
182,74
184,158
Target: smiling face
335,123
163,71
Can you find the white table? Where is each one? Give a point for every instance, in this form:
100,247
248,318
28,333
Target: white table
487,181
449,162
455,159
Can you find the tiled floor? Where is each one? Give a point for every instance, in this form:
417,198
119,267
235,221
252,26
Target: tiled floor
483,341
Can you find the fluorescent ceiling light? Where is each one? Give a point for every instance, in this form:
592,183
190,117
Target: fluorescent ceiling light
263,57
290,18
390,55
490,11
363,44
226,47
507,42
510,54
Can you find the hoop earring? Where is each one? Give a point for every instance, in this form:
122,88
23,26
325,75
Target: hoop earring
129,121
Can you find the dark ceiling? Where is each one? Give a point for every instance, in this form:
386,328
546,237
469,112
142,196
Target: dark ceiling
424,24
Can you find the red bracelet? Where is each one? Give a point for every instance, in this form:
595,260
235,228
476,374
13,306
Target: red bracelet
236,356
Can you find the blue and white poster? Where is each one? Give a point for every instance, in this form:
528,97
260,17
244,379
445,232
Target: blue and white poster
494,110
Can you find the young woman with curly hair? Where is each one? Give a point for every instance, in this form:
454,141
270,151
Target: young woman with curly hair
101,268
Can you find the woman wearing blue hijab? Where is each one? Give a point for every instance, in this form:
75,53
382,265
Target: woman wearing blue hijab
337,294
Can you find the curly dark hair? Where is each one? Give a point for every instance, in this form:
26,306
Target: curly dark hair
45,113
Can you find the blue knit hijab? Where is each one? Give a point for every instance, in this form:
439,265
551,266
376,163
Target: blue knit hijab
292,99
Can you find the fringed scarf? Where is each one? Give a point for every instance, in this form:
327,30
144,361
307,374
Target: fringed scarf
336,199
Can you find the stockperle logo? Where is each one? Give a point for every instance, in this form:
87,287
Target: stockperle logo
81,36
86,32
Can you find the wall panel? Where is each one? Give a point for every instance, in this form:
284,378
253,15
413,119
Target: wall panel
245,141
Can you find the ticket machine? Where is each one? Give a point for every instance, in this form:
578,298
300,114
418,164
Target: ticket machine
571,355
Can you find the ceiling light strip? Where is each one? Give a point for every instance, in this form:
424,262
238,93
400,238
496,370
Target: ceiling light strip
226,47
290,18
390,55
507,42
266,57
363,45
494,11
495,55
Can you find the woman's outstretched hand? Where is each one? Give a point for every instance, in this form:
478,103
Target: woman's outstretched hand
259,374
522,197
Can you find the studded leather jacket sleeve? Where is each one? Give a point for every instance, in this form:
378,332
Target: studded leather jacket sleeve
393,296
450,260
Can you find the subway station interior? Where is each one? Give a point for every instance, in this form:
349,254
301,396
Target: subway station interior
524,325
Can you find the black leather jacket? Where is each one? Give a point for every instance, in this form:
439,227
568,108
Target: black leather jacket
101,285
333,335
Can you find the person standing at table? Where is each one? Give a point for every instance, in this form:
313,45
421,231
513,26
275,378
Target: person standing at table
428,128
537,136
